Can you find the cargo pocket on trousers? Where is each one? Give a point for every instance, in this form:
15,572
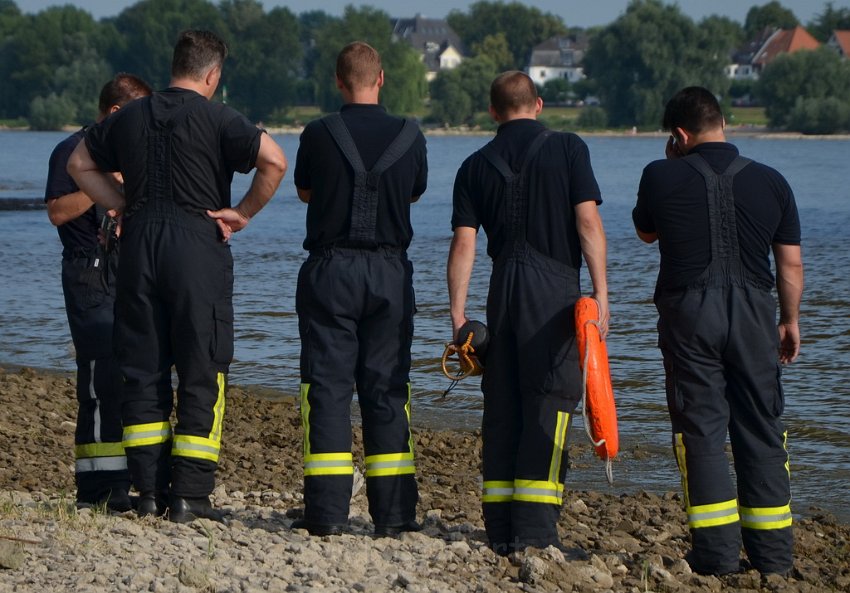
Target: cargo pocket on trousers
94,283
221,348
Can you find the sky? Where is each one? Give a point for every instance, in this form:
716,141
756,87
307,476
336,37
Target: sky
581,13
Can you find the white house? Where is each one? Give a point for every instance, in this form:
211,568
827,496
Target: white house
558,57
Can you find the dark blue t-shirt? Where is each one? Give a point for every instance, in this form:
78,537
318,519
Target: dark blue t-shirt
79,234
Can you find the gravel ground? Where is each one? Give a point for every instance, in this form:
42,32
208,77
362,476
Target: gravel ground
628,542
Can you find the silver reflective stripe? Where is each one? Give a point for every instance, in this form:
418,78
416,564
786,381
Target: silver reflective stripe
731,512
765,518
537,491
138,436
388,464
184,446
101,464
499,491
332,463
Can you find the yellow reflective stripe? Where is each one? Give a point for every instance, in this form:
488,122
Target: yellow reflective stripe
140,435
407,413
766,517
712,515
498,491
98,450
329,464
195,447
545,492
558,450
218,408
787,457
679,450
389,464
305,417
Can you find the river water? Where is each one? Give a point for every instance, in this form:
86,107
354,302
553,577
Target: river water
268,254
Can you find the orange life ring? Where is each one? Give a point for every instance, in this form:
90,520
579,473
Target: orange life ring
600,412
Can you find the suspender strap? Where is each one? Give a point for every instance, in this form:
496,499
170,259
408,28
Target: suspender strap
721,205
516,184
364,206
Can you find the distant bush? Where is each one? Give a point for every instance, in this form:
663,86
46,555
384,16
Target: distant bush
820,116
52,112
592,118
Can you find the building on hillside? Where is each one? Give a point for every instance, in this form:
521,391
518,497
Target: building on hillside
437,43
840,42
558,57
749,61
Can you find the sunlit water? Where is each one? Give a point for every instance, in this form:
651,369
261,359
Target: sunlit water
268,254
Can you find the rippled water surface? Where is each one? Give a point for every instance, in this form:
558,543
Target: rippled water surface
268,254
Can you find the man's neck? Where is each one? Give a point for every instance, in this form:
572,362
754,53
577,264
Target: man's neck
189,85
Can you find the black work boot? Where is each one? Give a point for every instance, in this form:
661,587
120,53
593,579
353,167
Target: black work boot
184,510
318,529
395,530
150,505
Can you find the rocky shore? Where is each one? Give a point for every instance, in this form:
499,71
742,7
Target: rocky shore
633,543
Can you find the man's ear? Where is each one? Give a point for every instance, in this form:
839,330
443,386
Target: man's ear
539,107
380,80
339,84
493,114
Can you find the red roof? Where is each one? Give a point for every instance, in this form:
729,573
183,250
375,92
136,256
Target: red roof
785,41
842,39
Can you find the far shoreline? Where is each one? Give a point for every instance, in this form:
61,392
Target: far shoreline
744,131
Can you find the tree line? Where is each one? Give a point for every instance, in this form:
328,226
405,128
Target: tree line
53,63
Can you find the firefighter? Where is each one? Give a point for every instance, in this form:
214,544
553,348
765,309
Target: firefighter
716,215
358,171
535,194
177,152
88,283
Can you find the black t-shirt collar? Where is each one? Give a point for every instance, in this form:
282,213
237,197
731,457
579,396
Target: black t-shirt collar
362,107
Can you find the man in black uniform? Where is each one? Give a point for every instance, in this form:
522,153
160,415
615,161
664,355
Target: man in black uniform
716,215
177,152
358,170
88,282
536,196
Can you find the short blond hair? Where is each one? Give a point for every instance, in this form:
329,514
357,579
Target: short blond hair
358,65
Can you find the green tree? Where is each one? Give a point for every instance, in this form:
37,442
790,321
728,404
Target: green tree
804,75
149,29
450,102
495,47
721,34
265,56
51,112
772,14
44,53
648,54
831,19
523,27
458,94
592,118
404,73
820,116
556,91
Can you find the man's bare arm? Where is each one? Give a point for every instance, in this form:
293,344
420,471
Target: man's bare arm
62,209
271,167
458,272
789,288
100,187
647,237
595,251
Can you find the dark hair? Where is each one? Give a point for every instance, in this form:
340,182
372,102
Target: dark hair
358,65
694,109
195,53
512,91
119,91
